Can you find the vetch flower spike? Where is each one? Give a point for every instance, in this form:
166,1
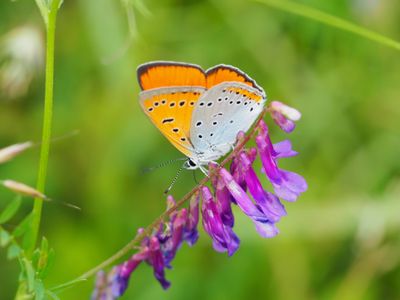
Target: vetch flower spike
160,242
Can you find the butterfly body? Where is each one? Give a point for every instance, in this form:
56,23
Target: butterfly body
199,112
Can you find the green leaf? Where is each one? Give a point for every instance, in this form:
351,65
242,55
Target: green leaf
35,258
5,237
50,262
44,9
39,290
10,210
44,249
13,251
23,227
30,274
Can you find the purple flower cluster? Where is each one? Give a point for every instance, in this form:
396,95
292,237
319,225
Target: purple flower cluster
239,186
264,208
158,250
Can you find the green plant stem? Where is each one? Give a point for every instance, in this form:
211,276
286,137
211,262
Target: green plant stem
325,18
47,122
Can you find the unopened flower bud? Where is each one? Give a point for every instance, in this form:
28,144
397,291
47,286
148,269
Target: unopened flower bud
284,116
289,112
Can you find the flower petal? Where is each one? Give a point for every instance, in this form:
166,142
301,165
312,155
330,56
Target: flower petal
157,261
287,185
224,239
242,199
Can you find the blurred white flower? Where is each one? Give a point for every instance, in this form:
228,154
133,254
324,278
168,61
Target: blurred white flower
21,58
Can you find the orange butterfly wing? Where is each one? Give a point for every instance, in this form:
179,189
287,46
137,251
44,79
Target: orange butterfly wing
169,93
224,73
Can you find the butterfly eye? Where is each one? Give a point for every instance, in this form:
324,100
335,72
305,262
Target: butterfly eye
191,163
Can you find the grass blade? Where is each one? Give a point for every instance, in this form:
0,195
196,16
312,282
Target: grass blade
330,20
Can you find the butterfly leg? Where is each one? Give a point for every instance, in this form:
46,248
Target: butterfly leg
204,170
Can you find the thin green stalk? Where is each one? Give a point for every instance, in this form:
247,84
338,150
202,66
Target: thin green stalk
325,18
47,122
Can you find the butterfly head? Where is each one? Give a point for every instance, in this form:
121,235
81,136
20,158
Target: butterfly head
190,164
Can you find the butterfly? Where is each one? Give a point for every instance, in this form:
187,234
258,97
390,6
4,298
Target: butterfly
199,112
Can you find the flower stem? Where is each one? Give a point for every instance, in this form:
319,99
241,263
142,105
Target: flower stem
147,231
47,122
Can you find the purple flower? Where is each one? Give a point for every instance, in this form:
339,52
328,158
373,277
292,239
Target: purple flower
173,240
267,202
223,197
100,291
264,225
190,233
157,261
287,185
224,239
124,271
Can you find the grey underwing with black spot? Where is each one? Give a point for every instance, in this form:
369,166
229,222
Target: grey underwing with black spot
220,114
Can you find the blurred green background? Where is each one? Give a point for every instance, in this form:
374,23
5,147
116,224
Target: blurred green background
340,240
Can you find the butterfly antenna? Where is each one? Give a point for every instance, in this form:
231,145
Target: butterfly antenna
163,164
173,181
